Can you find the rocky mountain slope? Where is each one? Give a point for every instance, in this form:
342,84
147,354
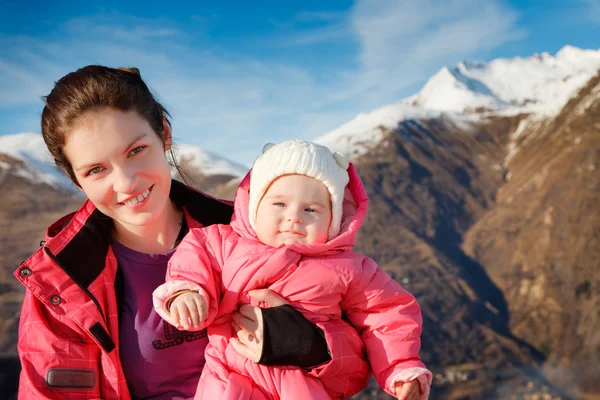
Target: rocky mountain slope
540,243
28,205
494,197
428,182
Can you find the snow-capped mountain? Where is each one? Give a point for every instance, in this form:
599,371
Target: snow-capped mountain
468,91
460,95
207,162
39,167
355,137
541,83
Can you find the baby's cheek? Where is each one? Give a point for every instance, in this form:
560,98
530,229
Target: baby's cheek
321,235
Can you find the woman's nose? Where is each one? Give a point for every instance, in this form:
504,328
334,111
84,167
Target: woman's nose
125,180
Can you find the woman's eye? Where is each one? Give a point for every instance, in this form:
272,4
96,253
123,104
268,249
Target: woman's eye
279,204
93,171
137,150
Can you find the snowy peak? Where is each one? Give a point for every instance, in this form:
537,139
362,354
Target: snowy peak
38,165
357,136
575,55
541,83
467,93
462,94
207,162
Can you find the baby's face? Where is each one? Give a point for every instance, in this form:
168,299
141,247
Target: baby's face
294,209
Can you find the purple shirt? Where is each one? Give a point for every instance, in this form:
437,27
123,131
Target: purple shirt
159,361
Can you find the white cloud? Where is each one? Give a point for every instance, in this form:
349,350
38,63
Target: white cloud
593,10
215,100
403,42
106,26
307,28
232,103
319,16
332,33
18,84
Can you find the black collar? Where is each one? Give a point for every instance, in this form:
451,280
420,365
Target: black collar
84,257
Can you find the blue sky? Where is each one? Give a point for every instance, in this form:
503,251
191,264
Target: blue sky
237,74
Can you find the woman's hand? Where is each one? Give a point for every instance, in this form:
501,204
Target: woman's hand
248,324
408,390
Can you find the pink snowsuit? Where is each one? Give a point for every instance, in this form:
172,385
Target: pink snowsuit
224,262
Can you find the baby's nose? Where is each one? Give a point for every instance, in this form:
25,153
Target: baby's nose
294,216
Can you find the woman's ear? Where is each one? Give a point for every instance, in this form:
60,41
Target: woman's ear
167,136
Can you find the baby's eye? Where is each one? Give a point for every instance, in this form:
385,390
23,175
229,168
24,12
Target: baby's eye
93,171
310,210
136,150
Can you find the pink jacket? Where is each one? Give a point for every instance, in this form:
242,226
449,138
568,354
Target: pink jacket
321,280
69,325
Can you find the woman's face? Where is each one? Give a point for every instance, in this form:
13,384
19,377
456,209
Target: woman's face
120,164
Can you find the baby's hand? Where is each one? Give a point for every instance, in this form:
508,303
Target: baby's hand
189,310
408,390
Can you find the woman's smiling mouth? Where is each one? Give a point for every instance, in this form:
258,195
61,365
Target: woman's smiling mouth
137,200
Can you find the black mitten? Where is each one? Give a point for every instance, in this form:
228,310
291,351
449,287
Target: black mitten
291,339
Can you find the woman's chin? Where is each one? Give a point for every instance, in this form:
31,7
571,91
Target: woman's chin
133,218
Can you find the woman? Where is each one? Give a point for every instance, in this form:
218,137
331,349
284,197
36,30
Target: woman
88,329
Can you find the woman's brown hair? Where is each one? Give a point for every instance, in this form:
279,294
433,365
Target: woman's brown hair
93,88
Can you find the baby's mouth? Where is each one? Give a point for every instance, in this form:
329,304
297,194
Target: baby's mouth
294,233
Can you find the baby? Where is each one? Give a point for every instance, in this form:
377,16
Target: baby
297,215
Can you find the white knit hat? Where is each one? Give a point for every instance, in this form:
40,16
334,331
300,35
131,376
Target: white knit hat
303,158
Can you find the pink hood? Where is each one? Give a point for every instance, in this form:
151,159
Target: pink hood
354,211
323,281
